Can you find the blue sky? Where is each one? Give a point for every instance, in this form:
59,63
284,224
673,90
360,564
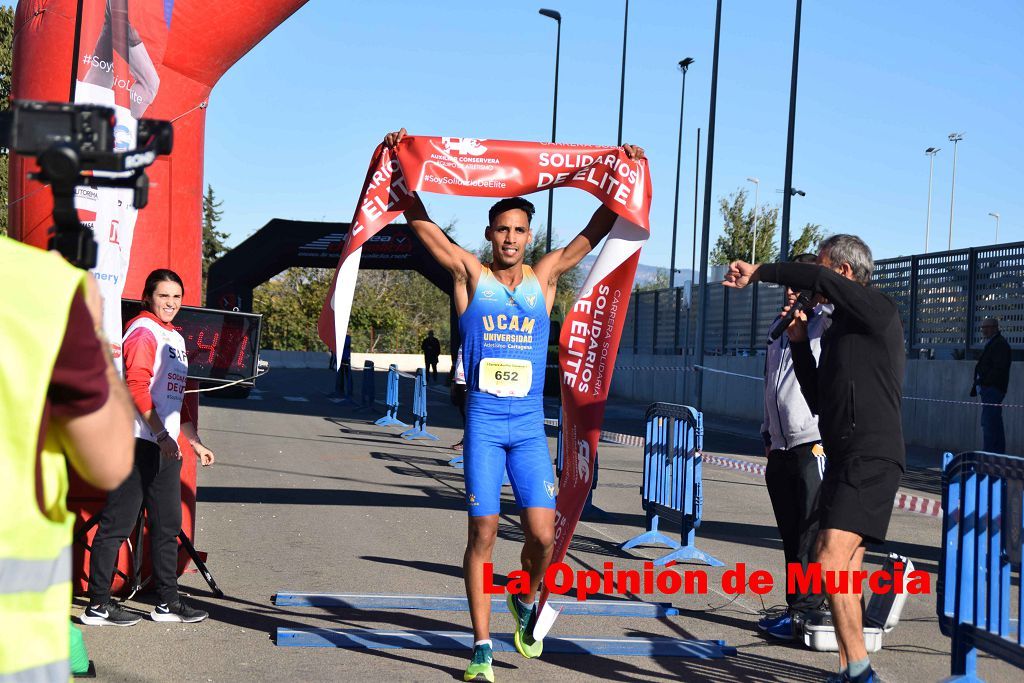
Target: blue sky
291,126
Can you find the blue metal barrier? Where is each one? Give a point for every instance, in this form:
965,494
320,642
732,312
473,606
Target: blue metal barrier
982,497
672,487
419,410
391,418
369,393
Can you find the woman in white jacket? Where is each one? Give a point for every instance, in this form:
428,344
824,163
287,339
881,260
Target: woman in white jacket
156,365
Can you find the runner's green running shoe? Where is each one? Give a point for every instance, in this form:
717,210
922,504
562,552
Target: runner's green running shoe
525,644
480,668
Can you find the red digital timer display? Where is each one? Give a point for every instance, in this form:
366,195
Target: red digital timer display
222,346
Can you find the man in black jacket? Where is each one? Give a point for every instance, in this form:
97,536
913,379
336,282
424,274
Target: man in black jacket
991,377
855,391
431,354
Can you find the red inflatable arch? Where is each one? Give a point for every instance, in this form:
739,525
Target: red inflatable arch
158,59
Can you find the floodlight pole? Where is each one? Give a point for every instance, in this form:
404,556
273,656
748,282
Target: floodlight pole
954,138
931,152
622,81
753,242
552,14
788,195
684,65
995,214
706,223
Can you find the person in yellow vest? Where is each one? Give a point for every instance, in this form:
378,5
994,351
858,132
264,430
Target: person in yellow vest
61,400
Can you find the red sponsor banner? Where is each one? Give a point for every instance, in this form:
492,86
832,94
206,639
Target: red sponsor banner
384,197
590,334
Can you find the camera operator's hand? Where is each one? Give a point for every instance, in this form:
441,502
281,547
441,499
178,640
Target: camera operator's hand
391,140
740,274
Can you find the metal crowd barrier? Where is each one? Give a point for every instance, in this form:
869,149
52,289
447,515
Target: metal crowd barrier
391,418
672,487
419,409
978,606
369,393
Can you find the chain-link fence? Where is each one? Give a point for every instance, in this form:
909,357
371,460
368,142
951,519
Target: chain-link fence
942,299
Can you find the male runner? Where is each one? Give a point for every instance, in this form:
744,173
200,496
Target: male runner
504,310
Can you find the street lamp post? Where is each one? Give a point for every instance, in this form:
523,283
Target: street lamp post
784,247
995,214
705,230
683,66
622,82
693,267
784,233
753,243
552,14
954,138
931,152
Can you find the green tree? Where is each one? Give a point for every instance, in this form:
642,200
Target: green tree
213,239
290,304
6,69
659,281
393,309
808,241
738,231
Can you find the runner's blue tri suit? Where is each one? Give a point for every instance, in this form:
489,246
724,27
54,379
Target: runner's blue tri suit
504,351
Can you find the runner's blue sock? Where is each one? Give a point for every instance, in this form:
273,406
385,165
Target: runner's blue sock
857,668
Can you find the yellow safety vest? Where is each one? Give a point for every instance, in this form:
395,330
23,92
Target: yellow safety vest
36,289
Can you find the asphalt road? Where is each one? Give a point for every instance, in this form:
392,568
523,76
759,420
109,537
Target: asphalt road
309,495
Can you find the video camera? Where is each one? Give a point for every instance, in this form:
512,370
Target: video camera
77,144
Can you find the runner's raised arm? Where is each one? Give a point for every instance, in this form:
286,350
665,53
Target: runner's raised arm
463,265
559,261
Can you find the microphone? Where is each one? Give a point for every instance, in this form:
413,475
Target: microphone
803,303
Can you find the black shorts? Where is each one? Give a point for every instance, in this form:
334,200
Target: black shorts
857,495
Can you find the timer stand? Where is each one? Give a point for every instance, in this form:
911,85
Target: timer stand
133,580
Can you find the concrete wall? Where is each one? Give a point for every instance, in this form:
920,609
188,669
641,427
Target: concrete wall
407,362
295,359
935,424
931,423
